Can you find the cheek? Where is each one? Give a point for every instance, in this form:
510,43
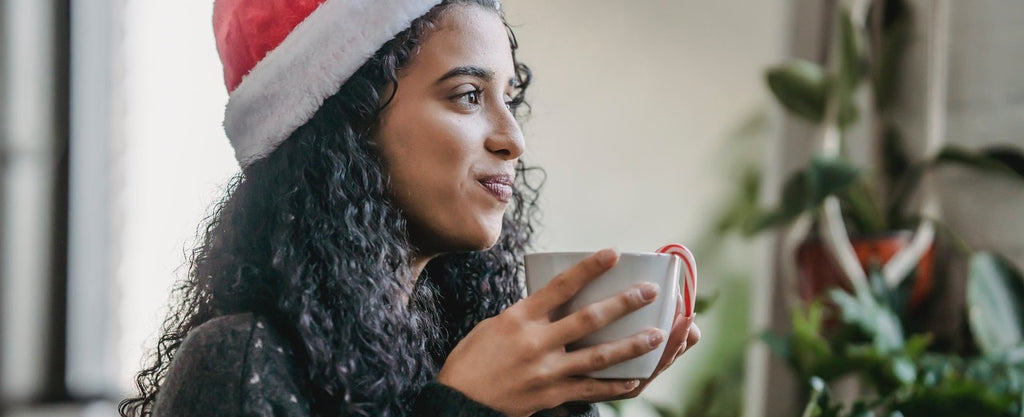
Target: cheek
428,162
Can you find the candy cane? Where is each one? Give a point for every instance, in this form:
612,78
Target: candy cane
690,279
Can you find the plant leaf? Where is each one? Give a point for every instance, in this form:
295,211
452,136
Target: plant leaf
980,160
828,176
876,320
852,64
1010,157
895,161
896,33
994,297
851,70
801,86
848,112
705,302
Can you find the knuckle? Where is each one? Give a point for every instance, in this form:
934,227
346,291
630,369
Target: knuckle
591,317
593,265
613,389
532,346
601,357
562,286
641,345
540,378
632,298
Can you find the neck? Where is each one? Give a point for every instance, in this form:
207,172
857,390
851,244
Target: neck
416,266
418,263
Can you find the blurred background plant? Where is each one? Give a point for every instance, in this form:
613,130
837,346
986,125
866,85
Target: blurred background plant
898,374
860,321
862,239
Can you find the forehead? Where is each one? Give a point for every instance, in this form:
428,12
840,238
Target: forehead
464,35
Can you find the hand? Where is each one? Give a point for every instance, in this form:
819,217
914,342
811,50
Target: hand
684,335
516,362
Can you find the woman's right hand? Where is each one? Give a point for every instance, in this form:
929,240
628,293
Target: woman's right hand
516,362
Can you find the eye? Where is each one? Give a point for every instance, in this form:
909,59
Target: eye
469,98
513,103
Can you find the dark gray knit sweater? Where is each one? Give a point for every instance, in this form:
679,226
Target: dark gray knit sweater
235,366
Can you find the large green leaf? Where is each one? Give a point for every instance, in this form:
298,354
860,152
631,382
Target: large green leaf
851,70
801,87
896,34
861,207
1012,158
1001,160
994,296
829,176
895,160
804,191
852,63
877,321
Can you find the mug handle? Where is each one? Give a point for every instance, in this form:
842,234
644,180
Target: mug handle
689,274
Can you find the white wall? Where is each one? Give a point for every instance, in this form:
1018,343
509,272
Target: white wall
630,102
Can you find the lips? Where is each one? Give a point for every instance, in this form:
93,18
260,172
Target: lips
499,185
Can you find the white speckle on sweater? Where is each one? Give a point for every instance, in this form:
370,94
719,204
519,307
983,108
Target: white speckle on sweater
259,343
293,399
255,379
259,324
279,350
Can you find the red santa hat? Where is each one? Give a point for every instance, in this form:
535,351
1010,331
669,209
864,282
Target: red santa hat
283,58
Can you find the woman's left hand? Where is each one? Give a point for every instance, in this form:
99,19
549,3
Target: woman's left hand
683,336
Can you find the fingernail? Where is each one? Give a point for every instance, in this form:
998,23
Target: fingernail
631,384
648,291
607,256
655,337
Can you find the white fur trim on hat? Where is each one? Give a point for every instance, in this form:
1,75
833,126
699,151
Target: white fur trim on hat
285,89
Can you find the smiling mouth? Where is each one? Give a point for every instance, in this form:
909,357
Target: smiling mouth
500,186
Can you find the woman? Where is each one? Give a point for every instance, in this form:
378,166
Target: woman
365,262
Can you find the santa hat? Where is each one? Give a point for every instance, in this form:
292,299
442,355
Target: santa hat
283,58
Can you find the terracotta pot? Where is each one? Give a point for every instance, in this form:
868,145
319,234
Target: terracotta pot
818,272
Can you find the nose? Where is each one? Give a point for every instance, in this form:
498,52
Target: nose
506,138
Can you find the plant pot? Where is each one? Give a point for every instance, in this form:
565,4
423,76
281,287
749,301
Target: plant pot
818,271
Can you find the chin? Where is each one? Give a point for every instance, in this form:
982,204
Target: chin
483,239
474,236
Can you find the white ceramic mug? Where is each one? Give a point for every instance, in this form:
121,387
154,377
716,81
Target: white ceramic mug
632,269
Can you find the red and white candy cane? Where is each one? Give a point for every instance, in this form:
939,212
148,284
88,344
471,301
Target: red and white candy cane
689,272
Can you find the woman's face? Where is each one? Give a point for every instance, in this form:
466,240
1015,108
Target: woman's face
448,137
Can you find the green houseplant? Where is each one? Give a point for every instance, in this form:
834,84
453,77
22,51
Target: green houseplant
834,198
856,319
863,326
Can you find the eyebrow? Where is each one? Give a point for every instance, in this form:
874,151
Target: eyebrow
472,71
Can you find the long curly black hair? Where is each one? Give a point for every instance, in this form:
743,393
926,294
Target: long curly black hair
308,239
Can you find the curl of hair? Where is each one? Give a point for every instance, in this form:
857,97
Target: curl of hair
308,239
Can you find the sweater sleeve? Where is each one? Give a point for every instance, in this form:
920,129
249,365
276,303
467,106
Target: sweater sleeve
237,366
571,410
437,400
231,367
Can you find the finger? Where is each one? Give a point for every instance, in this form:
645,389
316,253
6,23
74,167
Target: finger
564,286
676,342
601,356
597,315
693,337
597,390
679,304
